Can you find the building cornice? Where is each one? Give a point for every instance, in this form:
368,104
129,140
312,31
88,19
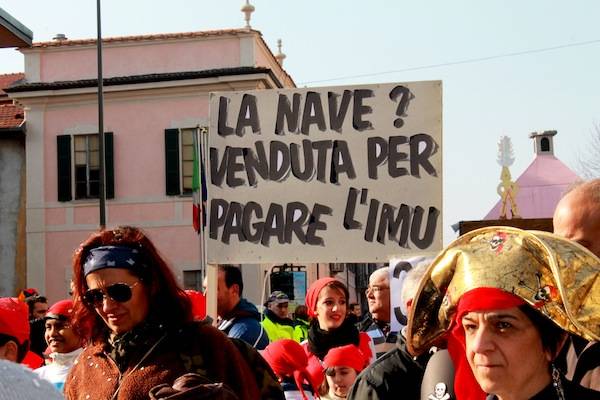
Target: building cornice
141,79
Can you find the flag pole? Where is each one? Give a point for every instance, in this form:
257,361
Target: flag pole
198,147
203,145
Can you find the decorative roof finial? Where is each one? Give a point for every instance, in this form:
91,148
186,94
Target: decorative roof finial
247,9
507,189
279,56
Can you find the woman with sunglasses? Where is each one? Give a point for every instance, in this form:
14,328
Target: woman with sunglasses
503,300
327,299
139,326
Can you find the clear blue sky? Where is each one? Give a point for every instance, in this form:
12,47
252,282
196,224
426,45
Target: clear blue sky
353,42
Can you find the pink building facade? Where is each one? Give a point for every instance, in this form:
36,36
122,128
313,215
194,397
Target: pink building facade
156,96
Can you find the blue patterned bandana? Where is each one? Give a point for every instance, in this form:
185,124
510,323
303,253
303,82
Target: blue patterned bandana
113,257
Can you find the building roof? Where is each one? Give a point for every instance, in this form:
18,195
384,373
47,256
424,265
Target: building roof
141,38
12,32
8,79
147,78
11,116
540,187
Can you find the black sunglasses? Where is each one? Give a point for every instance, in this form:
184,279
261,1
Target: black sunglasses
119,292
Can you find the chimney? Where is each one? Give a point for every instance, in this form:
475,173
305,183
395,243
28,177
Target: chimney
543,144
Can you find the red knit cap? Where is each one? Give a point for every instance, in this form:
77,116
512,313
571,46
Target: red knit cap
287,358
14,318
346,356
60,310
312,294
480,299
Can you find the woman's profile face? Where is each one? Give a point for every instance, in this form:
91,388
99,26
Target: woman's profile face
331,308
505,352
119,317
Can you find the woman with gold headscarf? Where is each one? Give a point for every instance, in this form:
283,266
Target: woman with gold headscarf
503,300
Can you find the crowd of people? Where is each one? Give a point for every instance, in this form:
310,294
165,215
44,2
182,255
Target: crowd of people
500,313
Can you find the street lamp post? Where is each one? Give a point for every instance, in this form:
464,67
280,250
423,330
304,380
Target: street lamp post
101,190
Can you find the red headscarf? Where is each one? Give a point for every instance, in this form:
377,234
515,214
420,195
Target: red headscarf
312,294
480,299
287,358
346,356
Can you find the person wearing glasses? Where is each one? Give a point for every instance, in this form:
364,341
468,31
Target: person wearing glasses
377,321
327,300
398,373
504,301
139,328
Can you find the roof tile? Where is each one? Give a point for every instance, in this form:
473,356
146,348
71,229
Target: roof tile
133,79
137,38
7,79
11,116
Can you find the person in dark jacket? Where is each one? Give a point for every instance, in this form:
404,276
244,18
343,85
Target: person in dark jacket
377,321
396,374
238,317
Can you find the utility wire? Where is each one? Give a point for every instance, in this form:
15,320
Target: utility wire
467,61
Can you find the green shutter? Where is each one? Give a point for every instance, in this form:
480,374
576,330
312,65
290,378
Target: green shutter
172,162
63,151
109,167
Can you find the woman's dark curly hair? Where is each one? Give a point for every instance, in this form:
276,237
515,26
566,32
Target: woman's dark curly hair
168,303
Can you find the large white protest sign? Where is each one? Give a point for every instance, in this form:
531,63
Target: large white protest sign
334,174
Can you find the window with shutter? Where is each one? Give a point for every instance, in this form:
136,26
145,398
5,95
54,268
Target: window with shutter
79,166
179,160
172,161
63,150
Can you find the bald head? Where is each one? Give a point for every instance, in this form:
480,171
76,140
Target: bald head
577,215
378,295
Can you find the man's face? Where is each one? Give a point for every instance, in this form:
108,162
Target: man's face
578,219
356,310
39,310
60,336
280,309
227,297
378,296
